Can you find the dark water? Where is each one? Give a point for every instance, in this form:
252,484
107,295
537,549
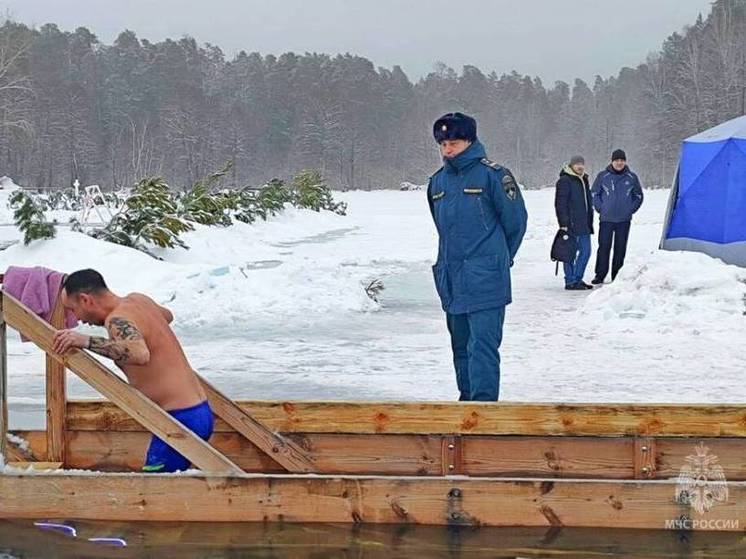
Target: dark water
316,541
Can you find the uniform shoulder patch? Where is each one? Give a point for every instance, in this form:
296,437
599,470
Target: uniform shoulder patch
490,163
510,186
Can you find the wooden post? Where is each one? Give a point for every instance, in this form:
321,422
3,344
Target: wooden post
3,382
56,396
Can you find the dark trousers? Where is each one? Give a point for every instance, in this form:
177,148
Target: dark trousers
609,234
475,341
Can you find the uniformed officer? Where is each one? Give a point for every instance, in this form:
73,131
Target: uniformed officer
481,219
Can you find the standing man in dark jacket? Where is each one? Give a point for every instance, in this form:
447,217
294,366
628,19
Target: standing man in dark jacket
617,195
572,202
481,219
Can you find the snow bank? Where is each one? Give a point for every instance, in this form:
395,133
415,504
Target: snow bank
664,291
276,267
6,183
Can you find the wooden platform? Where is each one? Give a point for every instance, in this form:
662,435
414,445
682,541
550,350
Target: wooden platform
502,464
542,472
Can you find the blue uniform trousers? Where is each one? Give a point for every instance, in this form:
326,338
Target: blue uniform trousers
475,341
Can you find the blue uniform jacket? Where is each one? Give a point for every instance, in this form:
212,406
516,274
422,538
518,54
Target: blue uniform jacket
481,219
617,195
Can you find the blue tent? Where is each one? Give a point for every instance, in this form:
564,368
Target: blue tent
707,208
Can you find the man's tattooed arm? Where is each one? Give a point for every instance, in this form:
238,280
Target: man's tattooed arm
126,345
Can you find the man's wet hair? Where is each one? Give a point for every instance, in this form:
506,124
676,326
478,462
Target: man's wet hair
84,281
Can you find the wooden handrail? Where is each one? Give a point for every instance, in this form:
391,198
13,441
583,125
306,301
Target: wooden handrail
283,451
141,408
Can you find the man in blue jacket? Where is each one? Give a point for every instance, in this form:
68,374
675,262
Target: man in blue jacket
481,219
617,195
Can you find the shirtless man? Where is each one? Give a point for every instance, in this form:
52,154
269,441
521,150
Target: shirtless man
143,345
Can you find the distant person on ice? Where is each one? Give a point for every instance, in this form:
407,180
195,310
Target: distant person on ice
143,345
617,195
572,202
481,219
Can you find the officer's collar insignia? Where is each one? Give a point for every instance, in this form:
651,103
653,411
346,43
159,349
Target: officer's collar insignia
510,187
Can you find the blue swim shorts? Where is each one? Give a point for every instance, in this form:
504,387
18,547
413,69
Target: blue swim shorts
161,457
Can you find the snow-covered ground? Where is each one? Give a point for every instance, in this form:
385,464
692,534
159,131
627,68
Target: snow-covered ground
278,310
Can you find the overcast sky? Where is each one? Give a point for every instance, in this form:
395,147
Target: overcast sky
552,39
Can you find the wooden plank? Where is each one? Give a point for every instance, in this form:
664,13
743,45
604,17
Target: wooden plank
673,454
365,454
15,454
562,457
421,455
35,465
56,388
37,443
132,401
391,500
283,451
502,418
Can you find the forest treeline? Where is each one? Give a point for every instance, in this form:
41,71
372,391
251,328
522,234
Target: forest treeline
72,107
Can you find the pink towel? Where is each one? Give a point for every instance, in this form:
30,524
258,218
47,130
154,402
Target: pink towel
38,289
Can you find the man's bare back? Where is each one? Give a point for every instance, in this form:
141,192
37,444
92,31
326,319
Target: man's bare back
140,342
166,378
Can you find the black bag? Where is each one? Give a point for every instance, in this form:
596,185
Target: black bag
564,248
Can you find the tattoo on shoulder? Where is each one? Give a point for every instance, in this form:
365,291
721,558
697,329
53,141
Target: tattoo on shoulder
123,329
119,347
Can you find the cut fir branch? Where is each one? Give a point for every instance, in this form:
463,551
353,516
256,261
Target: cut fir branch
311,192
200,205
148,216
28,216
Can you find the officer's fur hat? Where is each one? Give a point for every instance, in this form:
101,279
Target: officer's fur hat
455,126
